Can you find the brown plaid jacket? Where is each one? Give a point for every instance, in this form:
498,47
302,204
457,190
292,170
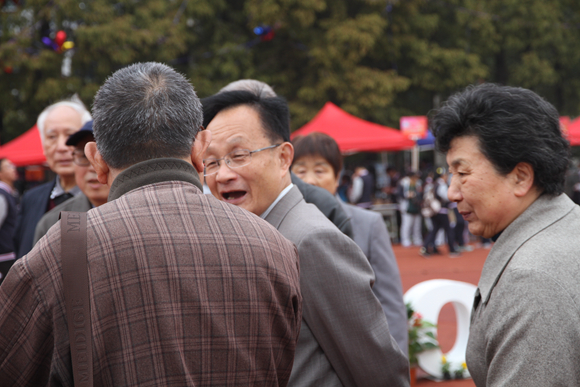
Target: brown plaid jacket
185,291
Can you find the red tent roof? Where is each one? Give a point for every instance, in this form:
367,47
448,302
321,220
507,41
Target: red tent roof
25,149
354,134
574,132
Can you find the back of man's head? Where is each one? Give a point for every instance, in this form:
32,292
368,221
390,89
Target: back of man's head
273,111
145,111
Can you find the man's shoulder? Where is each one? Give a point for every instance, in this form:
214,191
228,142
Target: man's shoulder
40,191
359,214
217,214
306,221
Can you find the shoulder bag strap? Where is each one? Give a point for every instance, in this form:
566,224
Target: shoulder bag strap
73,228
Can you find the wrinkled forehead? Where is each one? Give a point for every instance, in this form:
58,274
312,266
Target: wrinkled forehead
236,128
62,118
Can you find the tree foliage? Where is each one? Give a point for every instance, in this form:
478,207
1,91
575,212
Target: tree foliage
376,59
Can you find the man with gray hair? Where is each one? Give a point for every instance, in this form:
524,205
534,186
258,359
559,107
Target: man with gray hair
186,290
56,123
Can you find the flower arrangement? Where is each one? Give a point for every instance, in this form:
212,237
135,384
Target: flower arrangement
446,369
421,334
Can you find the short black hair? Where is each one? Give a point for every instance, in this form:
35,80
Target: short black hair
145,111
512,125
273,111
318,144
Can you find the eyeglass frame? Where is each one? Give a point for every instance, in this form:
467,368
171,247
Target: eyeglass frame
81,154
225,158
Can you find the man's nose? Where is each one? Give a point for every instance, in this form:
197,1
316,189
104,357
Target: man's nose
224,173
61,144
91,169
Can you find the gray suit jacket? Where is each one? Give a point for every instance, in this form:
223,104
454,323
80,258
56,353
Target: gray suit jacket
78,203
344,338
525,325
371,235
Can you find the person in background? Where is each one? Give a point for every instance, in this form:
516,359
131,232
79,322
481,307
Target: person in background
363,185
93,193
440,221
393,178
8,214
317,161
410,207
344,338
55,124
344,186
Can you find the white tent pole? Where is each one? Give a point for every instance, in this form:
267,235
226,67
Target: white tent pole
415,158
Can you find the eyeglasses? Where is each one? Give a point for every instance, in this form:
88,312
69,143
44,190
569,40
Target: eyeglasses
235,159
80,159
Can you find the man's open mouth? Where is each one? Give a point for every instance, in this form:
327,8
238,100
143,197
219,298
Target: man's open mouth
232,195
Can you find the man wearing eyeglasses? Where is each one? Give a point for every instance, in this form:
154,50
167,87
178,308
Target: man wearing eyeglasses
344,338
93,193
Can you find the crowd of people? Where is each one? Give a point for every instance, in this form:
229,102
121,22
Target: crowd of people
271,278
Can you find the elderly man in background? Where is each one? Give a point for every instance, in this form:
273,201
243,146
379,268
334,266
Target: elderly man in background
8,213
93,193
317,161
186,290
344,338
509,159
56,123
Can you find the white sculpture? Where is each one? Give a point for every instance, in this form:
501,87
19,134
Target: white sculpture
427,298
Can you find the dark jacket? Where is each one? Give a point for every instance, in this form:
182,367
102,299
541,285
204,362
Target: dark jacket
33,205
326,203
7,227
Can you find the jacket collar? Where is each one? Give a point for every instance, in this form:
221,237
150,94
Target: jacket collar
545,211
153,171
281,209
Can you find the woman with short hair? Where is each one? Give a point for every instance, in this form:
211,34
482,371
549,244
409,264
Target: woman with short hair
508,158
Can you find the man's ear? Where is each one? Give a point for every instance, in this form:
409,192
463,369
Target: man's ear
200,144
286,156
523,179
96,159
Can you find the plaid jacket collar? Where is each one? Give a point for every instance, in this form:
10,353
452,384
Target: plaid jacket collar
153,171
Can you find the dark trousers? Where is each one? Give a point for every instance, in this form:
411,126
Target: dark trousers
458,229
439,221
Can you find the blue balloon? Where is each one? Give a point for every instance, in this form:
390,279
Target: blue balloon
258,31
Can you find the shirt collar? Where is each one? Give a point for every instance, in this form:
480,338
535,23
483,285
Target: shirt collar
153,171
58,190
282,194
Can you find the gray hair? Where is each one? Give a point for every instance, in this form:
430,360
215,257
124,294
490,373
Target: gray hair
145,111
261,89
74,103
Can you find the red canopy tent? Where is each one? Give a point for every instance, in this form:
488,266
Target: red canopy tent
354,134
574,132
25,149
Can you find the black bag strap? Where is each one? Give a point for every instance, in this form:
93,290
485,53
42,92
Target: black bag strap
73,231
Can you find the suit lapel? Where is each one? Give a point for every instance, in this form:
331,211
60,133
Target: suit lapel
281,209
545,211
